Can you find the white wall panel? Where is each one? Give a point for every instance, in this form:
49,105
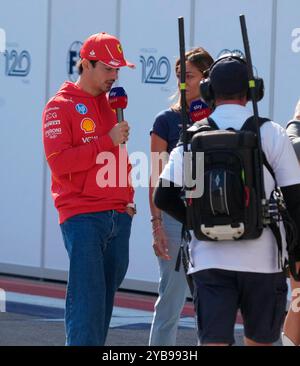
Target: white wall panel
217,27
149,29
287,74
22,96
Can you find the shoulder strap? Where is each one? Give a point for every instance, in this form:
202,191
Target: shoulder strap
250,126
268,166
205,124
212,123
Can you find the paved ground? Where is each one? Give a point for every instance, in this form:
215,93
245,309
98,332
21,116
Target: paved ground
34,317
24,330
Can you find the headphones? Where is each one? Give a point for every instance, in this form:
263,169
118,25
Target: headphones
206,89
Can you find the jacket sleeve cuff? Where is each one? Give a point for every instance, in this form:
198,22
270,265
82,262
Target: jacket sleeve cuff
105,143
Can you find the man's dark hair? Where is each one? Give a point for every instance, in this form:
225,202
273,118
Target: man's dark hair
80,68
236,96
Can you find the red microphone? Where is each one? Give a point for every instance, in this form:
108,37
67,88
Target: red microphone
118,100
199,110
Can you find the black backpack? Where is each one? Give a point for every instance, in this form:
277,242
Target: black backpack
230,207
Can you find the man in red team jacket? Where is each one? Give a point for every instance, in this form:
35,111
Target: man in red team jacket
95,218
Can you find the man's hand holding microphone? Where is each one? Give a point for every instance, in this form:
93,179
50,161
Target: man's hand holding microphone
119,133
118,101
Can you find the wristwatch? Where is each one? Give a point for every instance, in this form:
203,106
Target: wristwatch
133,206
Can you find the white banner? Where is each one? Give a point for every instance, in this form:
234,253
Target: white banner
22,96
149,35
2,40
287,72
217,28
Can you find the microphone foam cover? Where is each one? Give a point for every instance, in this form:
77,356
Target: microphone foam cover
199,110
117,98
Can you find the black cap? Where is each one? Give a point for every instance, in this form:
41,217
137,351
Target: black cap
229,76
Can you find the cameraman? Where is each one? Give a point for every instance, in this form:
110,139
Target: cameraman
231,275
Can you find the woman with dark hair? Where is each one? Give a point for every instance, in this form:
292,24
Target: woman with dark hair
166,231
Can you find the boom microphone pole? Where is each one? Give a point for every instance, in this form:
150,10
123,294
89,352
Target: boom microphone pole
185,120
255,114
187,158
184,116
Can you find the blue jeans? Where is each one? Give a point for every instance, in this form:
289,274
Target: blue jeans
98,248
173,289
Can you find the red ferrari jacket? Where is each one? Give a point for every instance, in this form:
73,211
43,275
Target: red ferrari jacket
89,173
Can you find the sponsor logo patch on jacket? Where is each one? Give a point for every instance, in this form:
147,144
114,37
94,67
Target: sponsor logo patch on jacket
81,108
88,125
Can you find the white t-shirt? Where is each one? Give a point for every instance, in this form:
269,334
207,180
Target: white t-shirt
259,255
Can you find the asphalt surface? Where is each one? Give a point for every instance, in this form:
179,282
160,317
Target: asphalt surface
34,317
24,330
